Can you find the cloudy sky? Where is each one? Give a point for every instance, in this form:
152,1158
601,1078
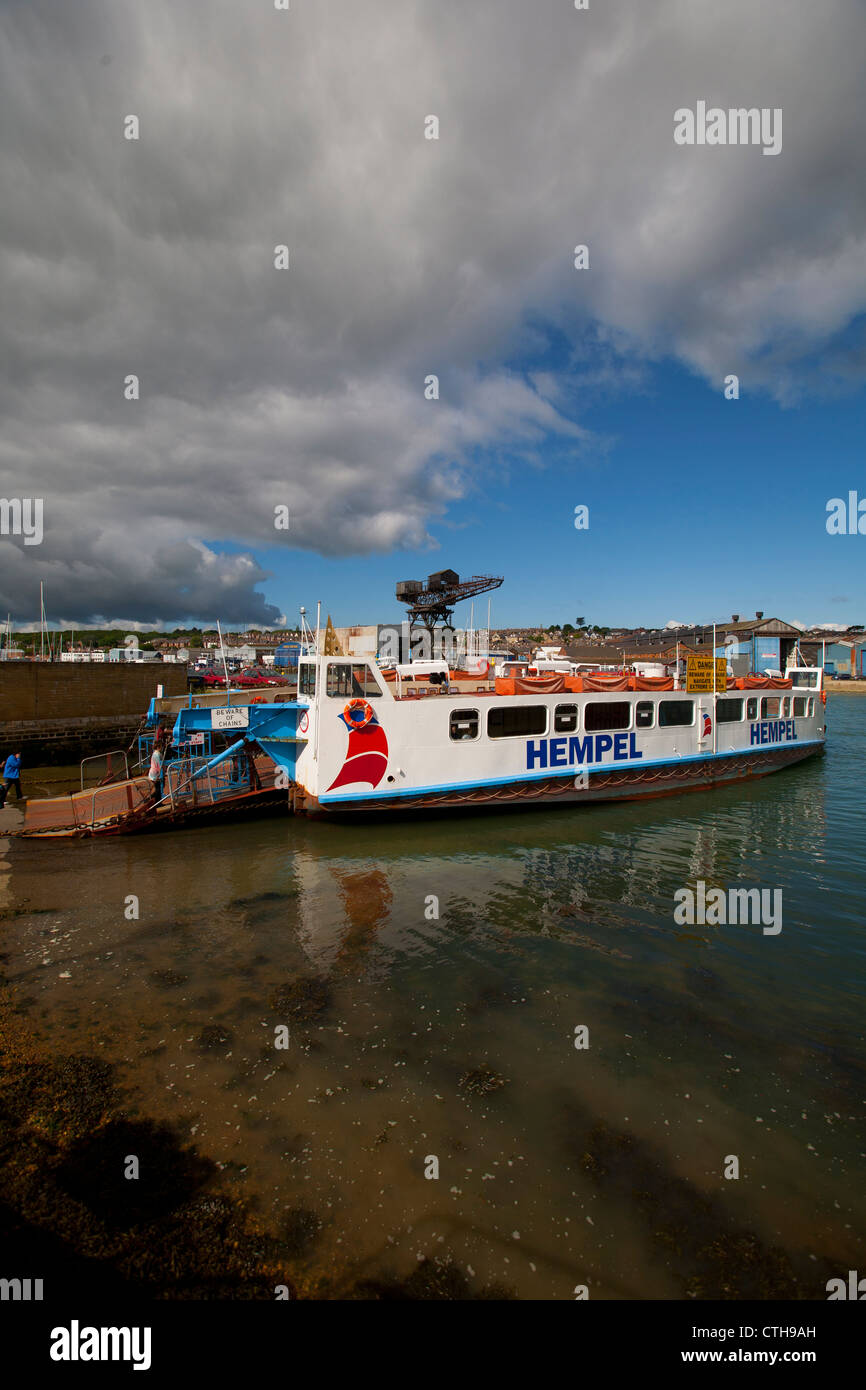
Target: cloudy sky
304,387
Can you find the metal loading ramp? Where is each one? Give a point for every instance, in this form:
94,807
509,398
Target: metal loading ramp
81,812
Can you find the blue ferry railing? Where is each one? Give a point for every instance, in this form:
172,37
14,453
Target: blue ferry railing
198,745
189,781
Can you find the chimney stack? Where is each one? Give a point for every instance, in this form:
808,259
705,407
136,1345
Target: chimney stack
759,614
735,617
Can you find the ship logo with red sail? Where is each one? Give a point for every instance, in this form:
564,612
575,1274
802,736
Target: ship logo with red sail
366,756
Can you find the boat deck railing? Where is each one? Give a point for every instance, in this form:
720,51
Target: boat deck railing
110,767
189,781
210,699
419,689
101,807
84,810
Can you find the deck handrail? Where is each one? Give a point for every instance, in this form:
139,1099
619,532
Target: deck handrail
94,757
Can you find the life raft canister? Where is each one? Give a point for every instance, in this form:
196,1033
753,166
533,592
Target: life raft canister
358,713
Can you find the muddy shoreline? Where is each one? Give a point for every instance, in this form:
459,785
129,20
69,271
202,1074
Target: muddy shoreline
70,1217
69,1213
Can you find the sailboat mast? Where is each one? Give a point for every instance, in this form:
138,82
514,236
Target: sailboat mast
225,666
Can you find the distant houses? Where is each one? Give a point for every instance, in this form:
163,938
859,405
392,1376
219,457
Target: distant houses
754,644
750,645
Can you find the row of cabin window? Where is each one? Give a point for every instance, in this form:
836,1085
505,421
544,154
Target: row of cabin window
772,707
526,721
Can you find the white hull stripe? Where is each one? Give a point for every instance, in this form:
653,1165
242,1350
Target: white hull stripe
549,774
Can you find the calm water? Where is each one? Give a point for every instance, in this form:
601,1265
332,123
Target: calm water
413,1036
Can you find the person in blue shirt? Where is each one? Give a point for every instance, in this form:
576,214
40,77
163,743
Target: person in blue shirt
11,778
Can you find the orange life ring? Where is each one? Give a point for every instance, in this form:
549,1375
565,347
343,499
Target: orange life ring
823,697
363,705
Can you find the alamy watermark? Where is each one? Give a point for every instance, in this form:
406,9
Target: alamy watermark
737,126
22,516
846,519
716,907
21,1290
403,643
854,1289
77,1343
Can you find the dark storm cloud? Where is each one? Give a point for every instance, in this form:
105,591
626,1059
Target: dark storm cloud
408,257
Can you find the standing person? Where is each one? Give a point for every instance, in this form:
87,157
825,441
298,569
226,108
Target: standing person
11,778
155,773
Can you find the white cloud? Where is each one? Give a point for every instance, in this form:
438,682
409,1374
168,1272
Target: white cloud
408,257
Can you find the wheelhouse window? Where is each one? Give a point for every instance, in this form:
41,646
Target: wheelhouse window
770,707
786,706
799,706
363,677
809,679
565,719
517,721
351,681
463,724
676,712
752,709
306,678
644,717
599,716
729,711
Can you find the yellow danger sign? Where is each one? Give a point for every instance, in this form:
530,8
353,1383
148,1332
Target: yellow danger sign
699,675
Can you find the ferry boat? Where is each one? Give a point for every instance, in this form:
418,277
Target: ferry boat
364,739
